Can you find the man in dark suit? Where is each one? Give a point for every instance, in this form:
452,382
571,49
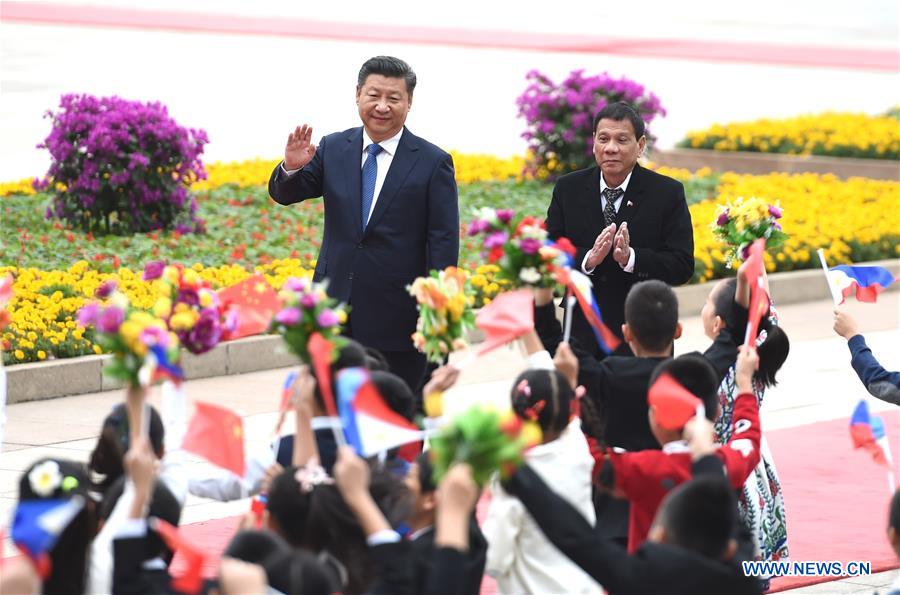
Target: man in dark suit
391,211
628,223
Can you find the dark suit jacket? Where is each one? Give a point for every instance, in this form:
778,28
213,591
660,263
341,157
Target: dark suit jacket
414,228
466,573
659,226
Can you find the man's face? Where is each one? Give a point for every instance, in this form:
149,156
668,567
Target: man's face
616,148
383,104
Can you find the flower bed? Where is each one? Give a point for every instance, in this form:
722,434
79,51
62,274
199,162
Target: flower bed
854,220
832,134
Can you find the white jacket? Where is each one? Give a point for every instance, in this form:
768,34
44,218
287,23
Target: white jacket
519,556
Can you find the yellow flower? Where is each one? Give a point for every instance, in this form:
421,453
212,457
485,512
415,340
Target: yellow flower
97,349
42,354
19,354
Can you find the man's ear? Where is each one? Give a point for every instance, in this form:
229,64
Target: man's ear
730,550
626,333
678,330
657,534
429,501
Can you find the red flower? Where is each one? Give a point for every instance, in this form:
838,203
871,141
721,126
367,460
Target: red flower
495,254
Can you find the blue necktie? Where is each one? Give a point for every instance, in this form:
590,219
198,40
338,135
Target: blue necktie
369,173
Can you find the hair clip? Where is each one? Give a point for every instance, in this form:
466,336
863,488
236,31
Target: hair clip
311,476
523,388
45,478
763,335
534,411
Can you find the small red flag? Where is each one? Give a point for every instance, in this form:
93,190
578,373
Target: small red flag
508,317
217,434
759,299
191,581
321,351
672,404
256,303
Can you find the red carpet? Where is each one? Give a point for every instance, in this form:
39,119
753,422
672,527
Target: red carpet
49,13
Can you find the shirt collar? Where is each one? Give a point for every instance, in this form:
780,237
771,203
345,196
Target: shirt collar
675,447
416,534
389,146
604,186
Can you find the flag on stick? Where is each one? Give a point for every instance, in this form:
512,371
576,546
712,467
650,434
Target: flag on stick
217,434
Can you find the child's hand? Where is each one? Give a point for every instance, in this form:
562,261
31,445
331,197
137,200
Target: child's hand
747,364
272,471
844,324
140,465
302,392
700,435
543,296
351,473
567,364
241,578
441,380
457,491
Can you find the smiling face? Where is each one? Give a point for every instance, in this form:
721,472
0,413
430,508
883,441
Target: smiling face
383,104
616,149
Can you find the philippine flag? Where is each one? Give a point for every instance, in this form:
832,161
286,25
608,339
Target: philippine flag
866,281
38,524
867,432
369,424
580,285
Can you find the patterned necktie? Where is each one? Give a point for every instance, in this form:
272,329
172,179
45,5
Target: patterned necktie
609,211
369,173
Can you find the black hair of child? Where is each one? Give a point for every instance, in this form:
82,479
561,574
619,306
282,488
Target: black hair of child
107,458
700,516
696,374
651,312
543,396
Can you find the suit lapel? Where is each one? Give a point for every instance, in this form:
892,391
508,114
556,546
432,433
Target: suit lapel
352,157
632,199
591,200
401,164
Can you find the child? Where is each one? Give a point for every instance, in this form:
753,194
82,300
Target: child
761,501
287,571
880,383
893,533
59,479
645,477
690,550
422,535
519,556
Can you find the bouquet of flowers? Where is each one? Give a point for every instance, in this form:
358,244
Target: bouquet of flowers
142,346
190,307
485,439
307,309
6,294
741,222
519,246
445,312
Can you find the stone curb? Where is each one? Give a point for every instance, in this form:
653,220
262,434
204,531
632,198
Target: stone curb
58,378
764,163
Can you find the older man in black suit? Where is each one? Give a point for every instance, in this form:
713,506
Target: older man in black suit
628,223
391,211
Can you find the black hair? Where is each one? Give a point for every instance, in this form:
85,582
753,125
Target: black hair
651,312
107,458
700,515
390,67
543,396
894,514
375,360
396,393
287,571
350,355
773,351
289,506
426,473
163,505
620,111
697,375
69,556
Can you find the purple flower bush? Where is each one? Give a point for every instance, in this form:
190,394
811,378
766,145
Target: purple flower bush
559,117
122,166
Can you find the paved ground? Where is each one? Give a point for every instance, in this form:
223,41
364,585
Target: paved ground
817,383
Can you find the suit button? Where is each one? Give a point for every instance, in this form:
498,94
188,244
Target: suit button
350,278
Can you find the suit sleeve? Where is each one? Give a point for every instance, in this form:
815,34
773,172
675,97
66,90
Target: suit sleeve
879,382
673,260
443,217
304,184
606,562
741,454
393,569
556,226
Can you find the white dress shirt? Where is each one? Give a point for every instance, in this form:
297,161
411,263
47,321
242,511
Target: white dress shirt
383,159
629,267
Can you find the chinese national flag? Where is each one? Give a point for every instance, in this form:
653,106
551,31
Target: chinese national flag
508,317
759,299
191,581
672,404
256,303
321,352
217,434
